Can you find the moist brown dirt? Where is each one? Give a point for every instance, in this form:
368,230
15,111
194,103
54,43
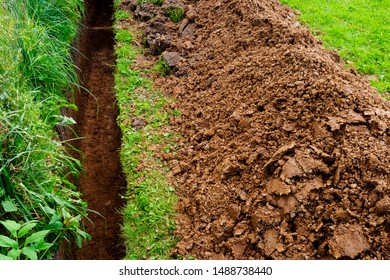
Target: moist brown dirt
102,181
284,153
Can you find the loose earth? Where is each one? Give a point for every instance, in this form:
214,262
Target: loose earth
284,151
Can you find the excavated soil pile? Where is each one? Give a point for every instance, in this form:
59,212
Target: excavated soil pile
285,153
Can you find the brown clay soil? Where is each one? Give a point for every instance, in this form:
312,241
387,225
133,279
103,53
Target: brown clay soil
102,181
284,153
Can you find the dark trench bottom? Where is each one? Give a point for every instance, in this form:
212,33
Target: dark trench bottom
103,181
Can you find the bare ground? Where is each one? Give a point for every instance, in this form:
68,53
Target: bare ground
102,181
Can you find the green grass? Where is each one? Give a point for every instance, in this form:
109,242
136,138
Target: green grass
358,29
157,2
148,221
35,167
121,15
161,67
176,14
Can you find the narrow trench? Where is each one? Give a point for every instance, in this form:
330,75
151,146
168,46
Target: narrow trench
102,181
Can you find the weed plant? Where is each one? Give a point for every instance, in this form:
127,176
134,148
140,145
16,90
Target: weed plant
176,14
148,222
161,67
36,197
358,29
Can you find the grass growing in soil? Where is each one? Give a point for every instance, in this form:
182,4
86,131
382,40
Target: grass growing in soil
161,67
176,14
157,2
39,206
121,15
358,29
148,222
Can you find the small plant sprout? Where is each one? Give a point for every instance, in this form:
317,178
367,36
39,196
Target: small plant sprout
161,67
176,14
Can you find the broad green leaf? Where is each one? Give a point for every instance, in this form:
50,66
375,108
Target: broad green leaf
59,201
12,226
65,214
83,234
14,253
26,229
54,225
79,241
77,218
7,242
9,206
29,251
48,210
5,258
42,245
73,223
54,218
36,236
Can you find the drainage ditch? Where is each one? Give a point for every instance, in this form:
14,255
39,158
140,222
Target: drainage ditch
102,181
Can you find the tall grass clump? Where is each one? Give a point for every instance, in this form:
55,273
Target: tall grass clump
39,206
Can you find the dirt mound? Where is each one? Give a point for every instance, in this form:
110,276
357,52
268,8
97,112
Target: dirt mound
285,153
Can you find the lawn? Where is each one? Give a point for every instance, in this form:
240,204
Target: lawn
358,29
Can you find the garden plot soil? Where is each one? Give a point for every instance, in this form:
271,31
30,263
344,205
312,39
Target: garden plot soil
284,153
102,181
